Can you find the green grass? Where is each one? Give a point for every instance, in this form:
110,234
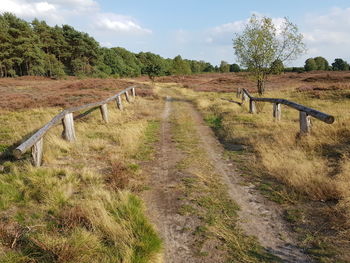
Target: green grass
38,199
214,122
146,149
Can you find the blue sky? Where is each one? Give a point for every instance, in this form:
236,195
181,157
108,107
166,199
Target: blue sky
201,30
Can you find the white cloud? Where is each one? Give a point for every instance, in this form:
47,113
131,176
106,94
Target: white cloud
53,11
223,34
331,28
28,9
327,34
119,23
85,14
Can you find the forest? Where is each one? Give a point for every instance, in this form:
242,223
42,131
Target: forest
38,49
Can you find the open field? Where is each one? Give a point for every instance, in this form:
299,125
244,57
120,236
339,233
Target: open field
84,203
36,92
316,82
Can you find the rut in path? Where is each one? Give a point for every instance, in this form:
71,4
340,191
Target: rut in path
162,199
258,216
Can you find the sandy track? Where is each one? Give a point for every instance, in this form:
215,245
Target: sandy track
163,198
258,216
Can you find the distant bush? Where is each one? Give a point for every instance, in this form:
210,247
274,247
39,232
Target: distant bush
277,67
310,64
340,65
321,63
235,68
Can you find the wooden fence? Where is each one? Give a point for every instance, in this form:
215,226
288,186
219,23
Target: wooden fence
304,112
36,141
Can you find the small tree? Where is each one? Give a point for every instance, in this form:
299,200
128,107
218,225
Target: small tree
277,67
235,68
322,63
340,64
310,64
152,71
261,43
180,66
224,67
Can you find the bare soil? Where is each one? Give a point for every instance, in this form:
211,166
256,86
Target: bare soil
162,200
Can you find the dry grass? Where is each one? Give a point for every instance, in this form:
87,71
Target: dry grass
311,172
81,205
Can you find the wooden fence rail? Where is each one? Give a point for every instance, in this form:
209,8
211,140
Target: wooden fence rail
36,142
304,112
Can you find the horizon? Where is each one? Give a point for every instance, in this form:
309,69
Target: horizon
202,35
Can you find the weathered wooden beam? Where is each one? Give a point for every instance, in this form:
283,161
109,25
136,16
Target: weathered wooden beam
252,106
277,111
312,112
68,127
37,152
119,103
127,96
244,91
305,122
133,91
104,112
27,144
233,101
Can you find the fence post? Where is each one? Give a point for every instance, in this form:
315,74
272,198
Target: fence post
277,111
239,92
68,127
252,108
119,103
37,152
127,96
133,91
305,122
244,97
104,112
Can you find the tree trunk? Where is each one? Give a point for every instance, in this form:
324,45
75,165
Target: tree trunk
261,86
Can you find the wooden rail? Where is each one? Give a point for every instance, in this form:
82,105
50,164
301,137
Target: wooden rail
304,112
35,142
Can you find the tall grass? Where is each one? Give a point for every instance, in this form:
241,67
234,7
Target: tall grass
82,205
313,168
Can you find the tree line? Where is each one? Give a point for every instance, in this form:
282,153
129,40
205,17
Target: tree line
314,64
35,48
320,63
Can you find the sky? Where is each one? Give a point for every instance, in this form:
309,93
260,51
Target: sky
194,29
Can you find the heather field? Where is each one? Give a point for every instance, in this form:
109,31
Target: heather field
95,200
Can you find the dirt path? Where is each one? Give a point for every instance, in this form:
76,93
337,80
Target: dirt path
162,200
258,216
